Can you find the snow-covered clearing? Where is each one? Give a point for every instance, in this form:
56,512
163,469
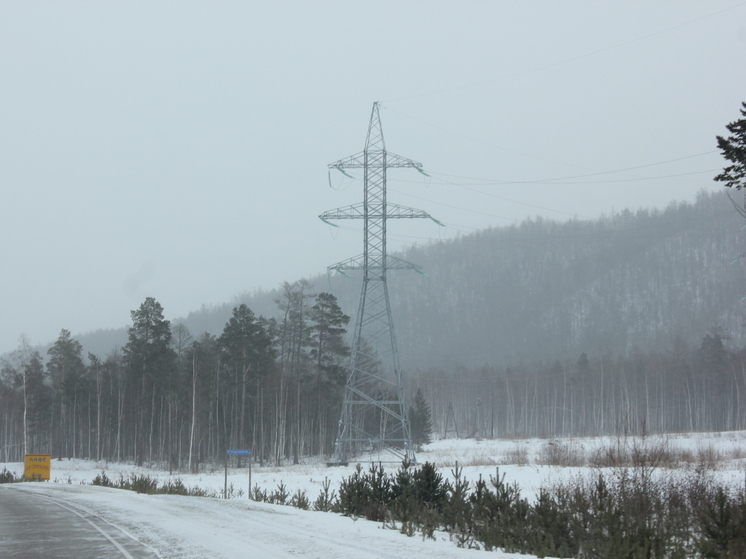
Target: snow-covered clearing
177,526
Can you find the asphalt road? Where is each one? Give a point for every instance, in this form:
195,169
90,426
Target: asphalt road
34,526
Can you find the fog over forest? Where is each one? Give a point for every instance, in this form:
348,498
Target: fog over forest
629,323
544,290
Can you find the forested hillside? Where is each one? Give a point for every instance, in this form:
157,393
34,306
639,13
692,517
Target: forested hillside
547,290
544,290
627,323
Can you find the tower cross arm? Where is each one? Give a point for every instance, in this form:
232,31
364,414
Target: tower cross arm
354,263
358,263
357,211
405,212
393,160
356,161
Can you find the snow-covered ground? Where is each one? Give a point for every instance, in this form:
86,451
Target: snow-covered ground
176,526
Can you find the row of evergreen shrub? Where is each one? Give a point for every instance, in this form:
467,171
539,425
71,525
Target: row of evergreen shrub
628,513
148,485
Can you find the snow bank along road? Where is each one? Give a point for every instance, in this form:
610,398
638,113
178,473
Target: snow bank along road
115,523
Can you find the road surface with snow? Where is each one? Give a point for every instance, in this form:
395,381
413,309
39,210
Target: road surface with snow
172,526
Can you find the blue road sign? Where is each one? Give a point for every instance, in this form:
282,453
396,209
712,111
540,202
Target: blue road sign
239,452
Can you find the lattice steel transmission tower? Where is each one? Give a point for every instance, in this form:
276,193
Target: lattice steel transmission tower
374,412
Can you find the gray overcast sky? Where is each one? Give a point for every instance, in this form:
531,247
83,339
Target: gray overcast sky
179,149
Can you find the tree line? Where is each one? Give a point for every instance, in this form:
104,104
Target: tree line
271,385
275,386
679,388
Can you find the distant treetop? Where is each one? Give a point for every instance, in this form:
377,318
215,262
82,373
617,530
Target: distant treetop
734,150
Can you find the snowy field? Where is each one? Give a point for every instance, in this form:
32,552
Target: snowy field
176,526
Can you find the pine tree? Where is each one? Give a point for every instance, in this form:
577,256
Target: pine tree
151,366
329,350
66,370
329,346
734,150
420,420
148,353
247,356
39,404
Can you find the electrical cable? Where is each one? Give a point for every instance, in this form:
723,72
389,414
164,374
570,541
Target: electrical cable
552,180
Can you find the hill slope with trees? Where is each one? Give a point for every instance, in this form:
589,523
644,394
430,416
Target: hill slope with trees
543,290
547,290
628,323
